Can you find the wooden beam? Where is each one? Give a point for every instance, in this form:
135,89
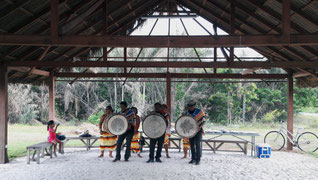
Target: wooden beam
290,109
165,64
252,14
160,41
54,20
45,12
27,70
286,19
301,74
3,115
78,19
40,59
195,50
174,75
51,97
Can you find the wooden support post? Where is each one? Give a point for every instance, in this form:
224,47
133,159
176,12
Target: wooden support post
168,93
215,58
125,59
51,97
105,28
3,115
232,29
290,109
286,19
54,20
168,49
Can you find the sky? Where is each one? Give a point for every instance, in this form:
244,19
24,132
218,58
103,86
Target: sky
193,28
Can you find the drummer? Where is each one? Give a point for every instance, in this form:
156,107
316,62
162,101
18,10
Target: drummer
195,142
128,135
160,140
107,140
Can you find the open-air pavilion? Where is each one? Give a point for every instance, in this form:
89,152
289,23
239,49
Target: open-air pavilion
38,39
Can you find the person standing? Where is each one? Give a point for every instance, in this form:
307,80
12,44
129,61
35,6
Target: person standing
186,147
159,140
107,140
195,142
135,146
166,143
128,135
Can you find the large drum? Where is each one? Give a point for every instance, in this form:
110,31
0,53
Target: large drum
186,126
154,125
116,124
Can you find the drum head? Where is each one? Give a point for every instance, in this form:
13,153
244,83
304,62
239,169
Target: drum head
186,127
117,124
154,125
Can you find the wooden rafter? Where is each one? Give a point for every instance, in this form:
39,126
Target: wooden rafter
173,75
170,64
160,41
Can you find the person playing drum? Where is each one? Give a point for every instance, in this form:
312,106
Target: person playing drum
135,146
195,142
166,144
107,140
160,140
128,135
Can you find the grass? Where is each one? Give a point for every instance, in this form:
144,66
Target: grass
20,136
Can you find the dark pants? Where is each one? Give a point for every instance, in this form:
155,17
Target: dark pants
195,143
128,136
153,142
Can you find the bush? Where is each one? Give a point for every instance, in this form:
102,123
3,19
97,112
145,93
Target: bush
271,116
94,119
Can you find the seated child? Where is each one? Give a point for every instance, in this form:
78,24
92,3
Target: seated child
51,127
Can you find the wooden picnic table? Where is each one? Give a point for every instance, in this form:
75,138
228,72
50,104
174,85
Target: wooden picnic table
176,141
87,141
238,135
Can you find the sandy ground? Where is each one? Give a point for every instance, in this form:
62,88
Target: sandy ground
81,164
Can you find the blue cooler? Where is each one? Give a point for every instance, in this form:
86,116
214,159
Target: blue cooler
263,150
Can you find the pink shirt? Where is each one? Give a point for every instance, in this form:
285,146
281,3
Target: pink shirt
52,135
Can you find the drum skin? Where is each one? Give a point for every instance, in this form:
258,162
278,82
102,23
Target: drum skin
116,124
186,126
154,125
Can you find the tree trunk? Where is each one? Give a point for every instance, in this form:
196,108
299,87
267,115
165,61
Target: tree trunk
115,97
122,93
244,107
256,113
143,95
229,109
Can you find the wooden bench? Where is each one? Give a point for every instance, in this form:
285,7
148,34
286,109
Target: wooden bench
39,151
217,144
